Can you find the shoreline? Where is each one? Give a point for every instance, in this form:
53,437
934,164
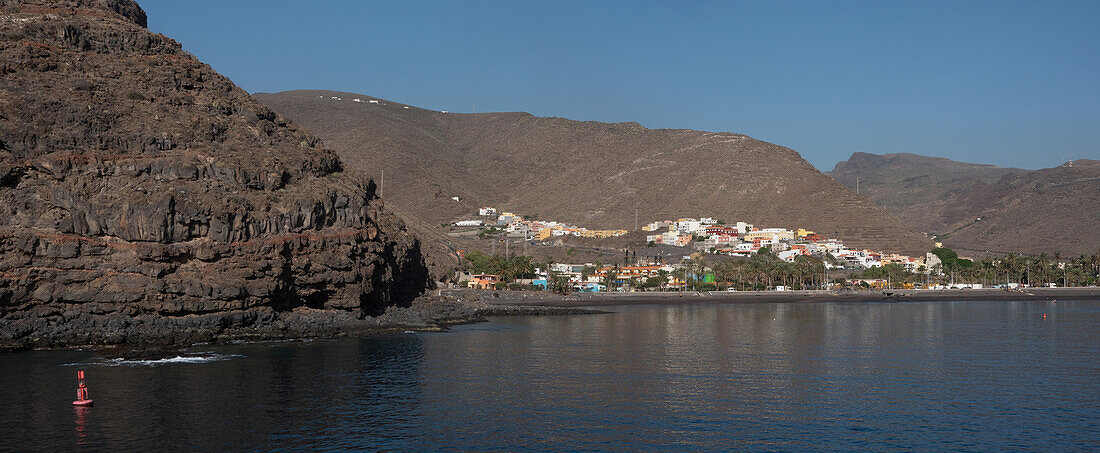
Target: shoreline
808,296
152,334
438,312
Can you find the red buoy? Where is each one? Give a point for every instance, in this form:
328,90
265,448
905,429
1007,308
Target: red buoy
81,391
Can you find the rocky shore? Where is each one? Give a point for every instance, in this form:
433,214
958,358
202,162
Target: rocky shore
430,312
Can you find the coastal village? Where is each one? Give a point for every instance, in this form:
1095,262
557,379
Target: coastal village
697,237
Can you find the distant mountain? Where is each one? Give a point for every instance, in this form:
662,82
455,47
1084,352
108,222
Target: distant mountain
927,193
1054,209
593,174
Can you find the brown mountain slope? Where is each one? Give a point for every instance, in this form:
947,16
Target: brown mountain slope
594,174
927,193
142,193
1054,209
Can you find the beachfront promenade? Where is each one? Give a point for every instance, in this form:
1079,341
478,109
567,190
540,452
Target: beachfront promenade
654,297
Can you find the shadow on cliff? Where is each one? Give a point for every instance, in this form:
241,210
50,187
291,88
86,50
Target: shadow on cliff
404,285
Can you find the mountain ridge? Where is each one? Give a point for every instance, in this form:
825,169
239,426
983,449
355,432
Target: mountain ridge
590,173
1028,211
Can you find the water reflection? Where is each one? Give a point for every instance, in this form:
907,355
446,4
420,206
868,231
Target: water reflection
288,395
79,415
917,376
717,376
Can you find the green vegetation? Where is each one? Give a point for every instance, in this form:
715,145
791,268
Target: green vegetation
1040,270
555,281
609,277
895,274
488,232
765,270
589,271
508,268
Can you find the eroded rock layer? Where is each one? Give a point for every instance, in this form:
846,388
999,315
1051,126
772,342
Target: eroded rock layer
137,184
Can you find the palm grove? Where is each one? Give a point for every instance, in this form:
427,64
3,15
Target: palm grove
764,270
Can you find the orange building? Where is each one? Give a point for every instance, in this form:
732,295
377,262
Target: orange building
483,281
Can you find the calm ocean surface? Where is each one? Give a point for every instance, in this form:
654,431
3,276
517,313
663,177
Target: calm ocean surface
982,376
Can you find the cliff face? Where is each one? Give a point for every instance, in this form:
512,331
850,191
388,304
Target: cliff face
140,188
594,174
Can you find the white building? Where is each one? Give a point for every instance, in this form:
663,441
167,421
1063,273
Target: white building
930,261
745,247
487,212
691,226
468,223
743,227
788,255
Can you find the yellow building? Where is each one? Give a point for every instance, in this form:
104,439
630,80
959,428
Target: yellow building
601,234
803,233
769,233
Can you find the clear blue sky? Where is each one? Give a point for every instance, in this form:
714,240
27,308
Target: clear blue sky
1010,83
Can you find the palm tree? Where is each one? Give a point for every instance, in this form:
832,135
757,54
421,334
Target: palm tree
663,276
610,276
588,271
680,274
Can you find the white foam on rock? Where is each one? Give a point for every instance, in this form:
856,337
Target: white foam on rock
182,359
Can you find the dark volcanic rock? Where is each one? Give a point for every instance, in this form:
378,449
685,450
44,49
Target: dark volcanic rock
143,194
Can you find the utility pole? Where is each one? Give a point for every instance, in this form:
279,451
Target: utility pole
857,185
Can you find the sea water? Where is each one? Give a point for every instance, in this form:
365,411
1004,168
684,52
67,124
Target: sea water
980,376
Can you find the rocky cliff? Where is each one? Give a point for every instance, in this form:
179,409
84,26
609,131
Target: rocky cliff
143,194
594,174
